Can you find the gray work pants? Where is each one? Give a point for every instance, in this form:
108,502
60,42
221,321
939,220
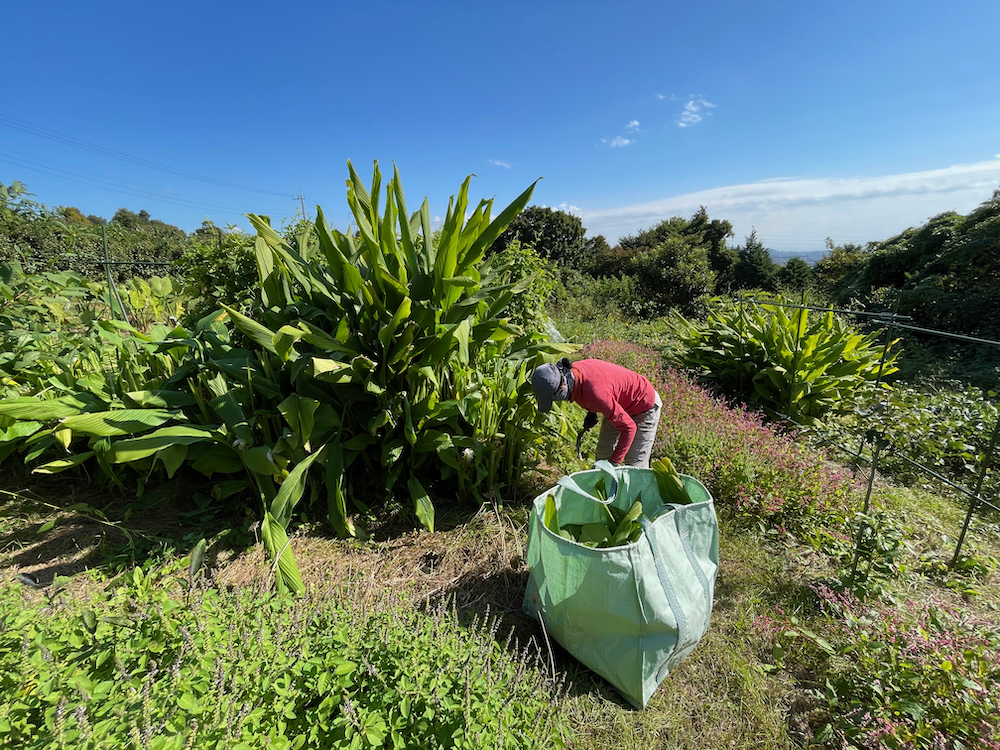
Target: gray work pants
642,444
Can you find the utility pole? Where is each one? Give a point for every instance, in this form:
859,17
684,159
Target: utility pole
302,202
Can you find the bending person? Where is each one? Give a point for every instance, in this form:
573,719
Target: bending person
627,401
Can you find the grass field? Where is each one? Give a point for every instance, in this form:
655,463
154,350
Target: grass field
728,694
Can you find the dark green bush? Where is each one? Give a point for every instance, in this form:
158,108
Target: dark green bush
219,268
945,426
63,239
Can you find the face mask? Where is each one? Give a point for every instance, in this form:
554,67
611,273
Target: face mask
565,391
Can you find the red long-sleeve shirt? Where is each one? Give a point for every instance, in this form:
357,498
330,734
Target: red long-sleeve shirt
615,392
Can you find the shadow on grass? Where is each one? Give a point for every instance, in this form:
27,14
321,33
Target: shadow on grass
65,525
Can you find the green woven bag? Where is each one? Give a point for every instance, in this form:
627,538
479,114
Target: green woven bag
629,613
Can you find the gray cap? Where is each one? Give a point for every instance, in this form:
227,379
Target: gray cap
545,381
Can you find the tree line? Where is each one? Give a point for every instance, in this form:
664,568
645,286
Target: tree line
676,264
944,274
64,238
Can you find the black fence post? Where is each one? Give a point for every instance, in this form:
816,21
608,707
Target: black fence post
877,443
977,499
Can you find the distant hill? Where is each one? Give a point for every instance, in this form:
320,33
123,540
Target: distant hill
811,257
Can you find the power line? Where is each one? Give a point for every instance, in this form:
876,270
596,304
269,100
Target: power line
52,135
84,179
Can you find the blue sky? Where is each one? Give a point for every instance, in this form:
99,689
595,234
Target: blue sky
804,120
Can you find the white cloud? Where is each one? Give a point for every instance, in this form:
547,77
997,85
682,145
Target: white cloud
798,214
618,141
659,96
632,125
566,207
690,114
503,164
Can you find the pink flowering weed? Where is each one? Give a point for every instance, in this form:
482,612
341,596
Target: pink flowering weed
759,475
912,675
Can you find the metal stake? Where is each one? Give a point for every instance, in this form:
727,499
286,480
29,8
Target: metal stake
975,501
876,449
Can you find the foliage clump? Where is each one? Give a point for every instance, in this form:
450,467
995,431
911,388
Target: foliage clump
218,267
382,362
943,275
617,528
946,426
63,239
151,669
783,361
557,236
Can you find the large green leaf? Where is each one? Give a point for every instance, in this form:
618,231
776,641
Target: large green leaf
259,460
279,547
421,502
402,313
407,241
336,502
61,464
232,414
284,342
256,332
172,457
43,410
291,489
160,399
216,459
494,230
331,371
138,448
447,252
119,422
299,412
19,431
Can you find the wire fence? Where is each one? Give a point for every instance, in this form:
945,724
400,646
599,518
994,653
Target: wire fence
874,445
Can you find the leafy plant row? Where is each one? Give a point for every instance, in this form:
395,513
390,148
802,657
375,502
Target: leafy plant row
377,357
947,427
908,675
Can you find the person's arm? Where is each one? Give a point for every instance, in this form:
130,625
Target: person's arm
626,432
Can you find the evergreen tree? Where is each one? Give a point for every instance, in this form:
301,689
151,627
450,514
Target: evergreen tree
721,258
755,268
795,275
673,275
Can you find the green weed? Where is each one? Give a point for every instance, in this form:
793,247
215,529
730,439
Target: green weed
144,669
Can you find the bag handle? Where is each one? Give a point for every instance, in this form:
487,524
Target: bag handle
610,472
